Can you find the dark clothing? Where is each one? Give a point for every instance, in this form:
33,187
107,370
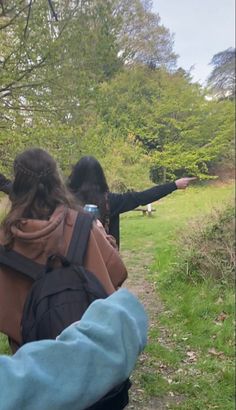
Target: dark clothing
119,203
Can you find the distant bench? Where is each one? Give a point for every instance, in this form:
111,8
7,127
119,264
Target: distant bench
145,211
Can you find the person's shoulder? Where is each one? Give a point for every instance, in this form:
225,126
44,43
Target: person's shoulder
98,231
71,215
104,241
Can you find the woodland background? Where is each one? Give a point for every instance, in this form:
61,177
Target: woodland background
101,77
81,77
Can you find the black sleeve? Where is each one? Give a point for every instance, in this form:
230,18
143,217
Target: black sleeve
5,184
120,203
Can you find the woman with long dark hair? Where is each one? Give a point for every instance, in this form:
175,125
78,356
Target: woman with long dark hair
88,182
40,223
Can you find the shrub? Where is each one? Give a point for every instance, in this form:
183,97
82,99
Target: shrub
209,250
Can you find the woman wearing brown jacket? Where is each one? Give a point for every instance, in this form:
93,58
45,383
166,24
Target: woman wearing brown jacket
39,224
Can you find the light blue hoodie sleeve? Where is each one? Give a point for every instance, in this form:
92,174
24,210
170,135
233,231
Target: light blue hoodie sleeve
87,360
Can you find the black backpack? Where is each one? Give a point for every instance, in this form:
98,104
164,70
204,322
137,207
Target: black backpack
61,293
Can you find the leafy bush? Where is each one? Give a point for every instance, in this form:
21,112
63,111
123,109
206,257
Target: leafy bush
209,250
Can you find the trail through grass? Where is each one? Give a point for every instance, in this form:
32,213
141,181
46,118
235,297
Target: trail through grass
189,361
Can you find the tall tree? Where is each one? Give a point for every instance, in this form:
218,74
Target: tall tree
222,77
181,131
143,39
26,39
55,58
55,54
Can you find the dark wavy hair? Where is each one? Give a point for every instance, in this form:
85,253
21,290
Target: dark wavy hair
88,182
37,190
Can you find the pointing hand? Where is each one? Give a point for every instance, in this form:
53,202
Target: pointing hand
182,183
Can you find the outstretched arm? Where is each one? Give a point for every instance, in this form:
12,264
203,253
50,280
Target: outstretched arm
86,361
120,203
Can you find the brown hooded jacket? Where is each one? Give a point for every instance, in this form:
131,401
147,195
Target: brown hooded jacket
37,240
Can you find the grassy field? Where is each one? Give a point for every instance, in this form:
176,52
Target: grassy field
197,363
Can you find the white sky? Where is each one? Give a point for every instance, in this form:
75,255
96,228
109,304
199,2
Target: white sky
202,28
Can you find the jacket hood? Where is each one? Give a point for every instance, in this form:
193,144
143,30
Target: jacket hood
30,229
40,238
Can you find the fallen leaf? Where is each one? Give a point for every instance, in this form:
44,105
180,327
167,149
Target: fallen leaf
162,366
191,354
222,316
192,357
214,352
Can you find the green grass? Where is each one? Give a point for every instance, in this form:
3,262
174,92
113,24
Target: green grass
4,347
191,310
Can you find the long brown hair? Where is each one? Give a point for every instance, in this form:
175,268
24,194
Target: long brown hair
37,190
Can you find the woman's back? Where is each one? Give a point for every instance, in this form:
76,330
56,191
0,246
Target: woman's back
39,237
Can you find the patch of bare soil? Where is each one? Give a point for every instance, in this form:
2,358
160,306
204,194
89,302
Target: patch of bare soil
137,264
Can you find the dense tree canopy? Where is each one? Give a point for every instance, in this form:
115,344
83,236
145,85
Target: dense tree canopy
88,76
222,77
180,130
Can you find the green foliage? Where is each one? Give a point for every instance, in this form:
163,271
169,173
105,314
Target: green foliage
100,80
4,346
51,68
126,165
182,131
58,140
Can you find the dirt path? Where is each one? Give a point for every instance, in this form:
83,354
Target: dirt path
138,264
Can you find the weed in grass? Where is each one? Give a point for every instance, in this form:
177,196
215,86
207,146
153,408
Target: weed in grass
154,384
170,357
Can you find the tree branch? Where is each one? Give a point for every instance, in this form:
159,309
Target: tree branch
28,17
14,18
25,73
52,10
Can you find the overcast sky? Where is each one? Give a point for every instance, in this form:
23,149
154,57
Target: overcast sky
202,28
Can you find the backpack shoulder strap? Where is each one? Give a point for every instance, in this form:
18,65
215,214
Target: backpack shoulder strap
20,263
80,237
